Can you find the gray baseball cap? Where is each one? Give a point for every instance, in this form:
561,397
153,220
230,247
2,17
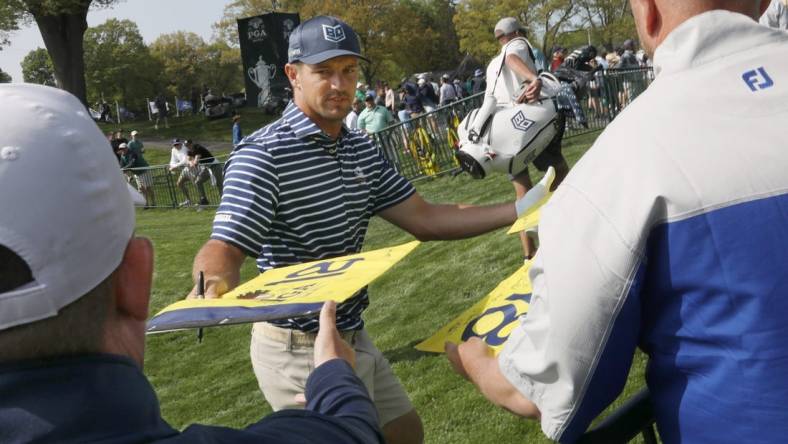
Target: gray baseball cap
506,25
321,38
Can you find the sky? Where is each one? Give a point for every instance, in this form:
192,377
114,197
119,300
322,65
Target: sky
153,17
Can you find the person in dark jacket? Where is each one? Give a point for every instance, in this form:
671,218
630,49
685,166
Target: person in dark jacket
74,301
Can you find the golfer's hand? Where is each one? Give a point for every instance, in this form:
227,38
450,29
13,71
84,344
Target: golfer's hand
214,287
328,344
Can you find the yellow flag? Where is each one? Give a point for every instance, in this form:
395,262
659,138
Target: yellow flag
285,292
530,219
492,319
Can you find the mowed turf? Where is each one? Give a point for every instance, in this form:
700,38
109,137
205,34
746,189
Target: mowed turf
213,383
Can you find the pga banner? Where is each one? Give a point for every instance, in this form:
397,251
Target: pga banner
282,293
264,41
492,319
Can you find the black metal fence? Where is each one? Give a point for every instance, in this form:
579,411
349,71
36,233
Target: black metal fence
425,145
419,148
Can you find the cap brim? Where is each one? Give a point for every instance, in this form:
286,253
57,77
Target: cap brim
325,55
136,198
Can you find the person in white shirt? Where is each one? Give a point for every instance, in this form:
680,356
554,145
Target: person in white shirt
506,73
447,92
777,15
676,244
351,120
179,162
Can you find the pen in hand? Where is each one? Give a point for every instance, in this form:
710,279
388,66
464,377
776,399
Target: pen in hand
200,295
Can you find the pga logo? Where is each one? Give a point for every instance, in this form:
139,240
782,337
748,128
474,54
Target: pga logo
333,33
520,122
256,31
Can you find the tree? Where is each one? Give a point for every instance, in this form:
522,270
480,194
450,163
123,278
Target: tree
611,21
442,51
4,77
182,56
544,20
223,69
118,65
62,24
37,68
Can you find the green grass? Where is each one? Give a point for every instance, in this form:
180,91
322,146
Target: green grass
195,127
213,383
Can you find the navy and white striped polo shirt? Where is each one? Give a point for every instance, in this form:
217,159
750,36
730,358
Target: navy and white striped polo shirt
292,195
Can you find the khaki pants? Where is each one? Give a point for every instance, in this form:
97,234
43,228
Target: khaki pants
283,359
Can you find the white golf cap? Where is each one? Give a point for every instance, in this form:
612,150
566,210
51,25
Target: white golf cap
506,25
134,133
66,209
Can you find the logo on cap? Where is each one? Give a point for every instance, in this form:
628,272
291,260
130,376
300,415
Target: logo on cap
333,33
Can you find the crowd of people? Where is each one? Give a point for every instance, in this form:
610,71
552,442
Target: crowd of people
191,162
675,246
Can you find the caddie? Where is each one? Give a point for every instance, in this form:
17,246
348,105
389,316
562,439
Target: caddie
676,244
507,72
304,188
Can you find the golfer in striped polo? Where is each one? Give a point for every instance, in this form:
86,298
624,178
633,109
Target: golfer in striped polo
304,188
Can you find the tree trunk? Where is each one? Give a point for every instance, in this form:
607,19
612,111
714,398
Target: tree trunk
63,34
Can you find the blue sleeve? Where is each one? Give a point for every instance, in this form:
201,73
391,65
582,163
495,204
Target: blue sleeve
237,136
334,389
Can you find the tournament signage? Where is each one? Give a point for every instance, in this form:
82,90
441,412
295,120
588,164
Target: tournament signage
492,319
264,41
283,292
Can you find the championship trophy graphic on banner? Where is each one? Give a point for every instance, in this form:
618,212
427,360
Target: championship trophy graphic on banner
261,75
264,41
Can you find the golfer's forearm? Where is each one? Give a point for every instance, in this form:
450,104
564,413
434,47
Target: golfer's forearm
220,263
462,221
498,390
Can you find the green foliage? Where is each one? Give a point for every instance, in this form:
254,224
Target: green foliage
213,383
37,68
611,21
5,77
475,20
118,65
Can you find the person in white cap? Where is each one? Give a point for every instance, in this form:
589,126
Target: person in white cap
514,67
676,245
75,286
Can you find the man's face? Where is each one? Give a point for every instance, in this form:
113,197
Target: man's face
326,90
370,104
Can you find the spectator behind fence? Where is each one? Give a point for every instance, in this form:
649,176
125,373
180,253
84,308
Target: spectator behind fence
74,299
203,166
351,121
374,117
237,132
447,92
479,84
133,160
179,163
683,255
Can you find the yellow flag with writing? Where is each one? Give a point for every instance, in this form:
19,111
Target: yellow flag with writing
492,319
281,293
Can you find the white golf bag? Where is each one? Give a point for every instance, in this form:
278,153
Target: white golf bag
507,138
